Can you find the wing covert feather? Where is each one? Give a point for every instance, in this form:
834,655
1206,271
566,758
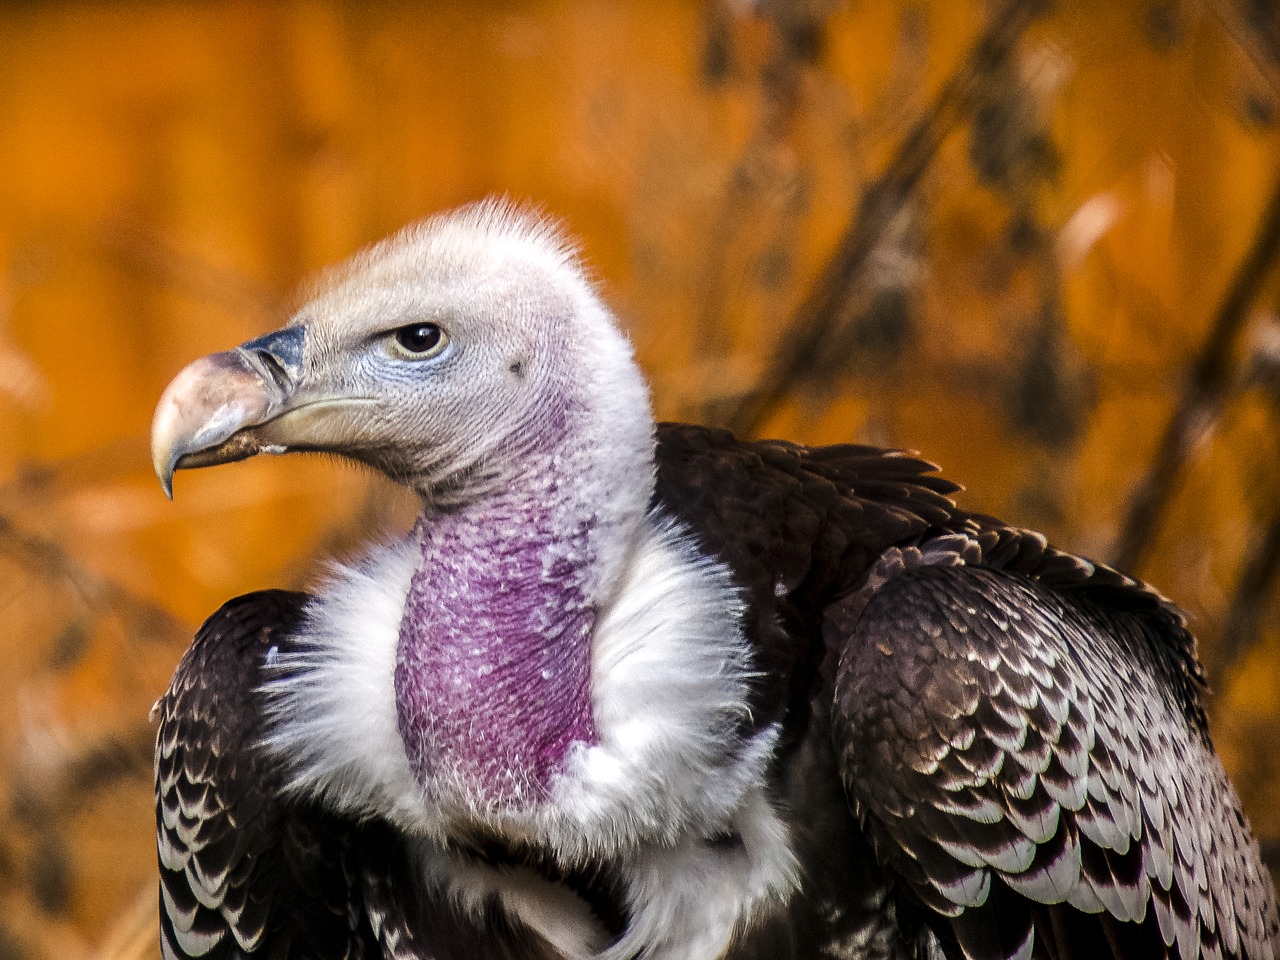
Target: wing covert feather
1020,752
243,872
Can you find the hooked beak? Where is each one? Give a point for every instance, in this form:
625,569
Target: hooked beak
209,413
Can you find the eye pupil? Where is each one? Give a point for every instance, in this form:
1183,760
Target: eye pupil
419,338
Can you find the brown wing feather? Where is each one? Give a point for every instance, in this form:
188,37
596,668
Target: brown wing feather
242,870
1061,740
1022,758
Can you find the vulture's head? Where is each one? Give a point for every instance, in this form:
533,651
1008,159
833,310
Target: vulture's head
451,357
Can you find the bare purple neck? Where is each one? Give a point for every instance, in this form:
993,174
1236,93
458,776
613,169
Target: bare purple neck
493,672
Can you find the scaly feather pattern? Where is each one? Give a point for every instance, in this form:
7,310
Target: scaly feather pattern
984,748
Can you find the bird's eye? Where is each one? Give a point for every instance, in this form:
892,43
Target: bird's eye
419,341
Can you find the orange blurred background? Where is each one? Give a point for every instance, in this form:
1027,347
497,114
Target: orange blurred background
1028,311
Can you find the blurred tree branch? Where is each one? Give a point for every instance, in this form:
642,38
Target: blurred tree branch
66,779
821,312
1203,397
1244,617
43,558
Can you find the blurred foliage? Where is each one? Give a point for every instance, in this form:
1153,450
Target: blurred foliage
1032,307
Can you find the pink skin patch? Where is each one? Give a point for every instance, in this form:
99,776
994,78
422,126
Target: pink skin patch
493,670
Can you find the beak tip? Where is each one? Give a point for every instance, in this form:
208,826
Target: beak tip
164,467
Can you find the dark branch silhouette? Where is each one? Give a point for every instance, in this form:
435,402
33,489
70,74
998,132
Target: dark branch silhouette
43,558
1253,590
821,310
1206,391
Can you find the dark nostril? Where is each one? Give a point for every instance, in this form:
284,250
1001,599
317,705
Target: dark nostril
271,363
279,354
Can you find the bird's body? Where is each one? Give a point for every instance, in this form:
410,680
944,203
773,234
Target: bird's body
625,693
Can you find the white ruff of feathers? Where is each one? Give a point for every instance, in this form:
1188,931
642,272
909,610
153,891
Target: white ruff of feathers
670,668
670,683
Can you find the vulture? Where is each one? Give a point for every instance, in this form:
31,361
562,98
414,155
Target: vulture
639,691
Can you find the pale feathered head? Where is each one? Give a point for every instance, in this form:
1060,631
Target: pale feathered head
446,356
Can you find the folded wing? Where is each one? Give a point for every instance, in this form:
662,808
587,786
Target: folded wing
1033,764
